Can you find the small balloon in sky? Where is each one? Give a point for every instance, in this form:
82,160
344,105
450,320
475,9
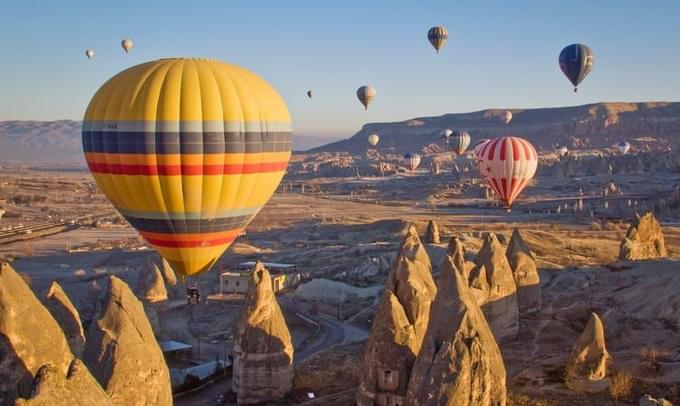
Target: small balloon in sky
366,94
126,44
437,37
89,53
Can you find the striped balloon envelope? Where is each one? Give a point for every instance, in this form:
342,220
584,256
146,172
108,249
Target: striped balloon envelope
411,160
188,151
507,164
459,141
437,37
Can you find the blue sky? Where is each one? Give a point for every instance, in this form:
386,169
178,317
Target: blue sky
499,53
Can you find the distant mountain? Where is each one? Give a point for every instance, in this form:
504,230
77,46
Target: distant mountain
34,142
652,125
41,141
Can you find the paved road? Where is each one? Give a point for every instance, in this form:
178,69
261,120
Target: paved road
331,333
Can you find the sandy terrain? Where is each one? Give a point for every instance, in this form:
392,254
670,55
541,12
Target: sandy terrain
337,225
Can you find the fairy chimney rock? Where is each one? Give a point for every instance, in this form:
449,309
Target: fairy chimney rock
494,287
168,273
151,286
263,348
399,327
66,314
460,362
432,233
588,366
76,387
456,250
525,273
122,353
29,338
644,240
413,249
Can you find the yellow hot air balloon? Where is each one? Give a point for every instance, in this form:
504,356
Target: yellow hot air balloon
188,151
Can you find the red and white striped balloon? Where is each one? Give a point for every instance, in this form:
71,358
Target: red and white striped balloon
507,164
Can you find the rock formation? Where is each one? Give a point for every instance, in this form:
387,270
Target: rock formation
432,233
263,349
151,286
647,400
494,288
412,249
456,250
522,262
29,338
460,362
411,281
399,326
76,387
644,240
66,314
122,353
168,273
588,366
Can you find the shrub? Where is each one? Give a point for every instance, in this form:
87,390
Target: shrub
621,385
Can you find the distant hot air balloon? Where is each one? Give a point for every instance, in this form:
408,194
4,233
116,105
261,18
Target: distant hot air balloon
576,62
373,139
623,147
507,164
309,94
188,151
562,151
126,44
411,160
506,116
445,134
437,37
366,95
89,53
459,141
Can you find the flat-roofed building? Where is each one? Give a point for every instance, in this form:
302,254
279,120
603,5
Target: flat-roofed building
237,281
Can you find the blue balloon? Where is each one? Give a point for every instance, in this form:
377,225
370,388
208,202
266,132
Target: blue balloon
576,62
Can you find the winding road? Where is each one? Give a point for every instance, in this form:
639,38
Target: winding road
332,332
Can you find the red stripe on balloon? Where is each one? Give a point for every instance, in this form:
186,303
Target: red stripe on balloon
175,170
191,243
516,142
492,148
504,145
